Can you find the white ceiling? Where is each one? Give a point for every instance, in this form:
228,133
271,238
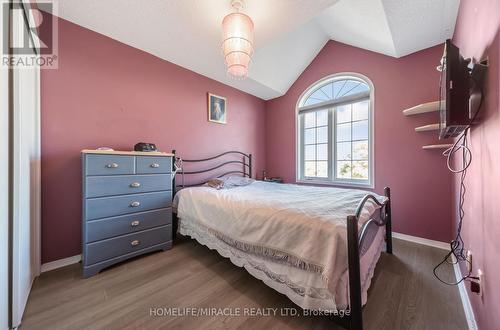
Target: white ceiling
288,33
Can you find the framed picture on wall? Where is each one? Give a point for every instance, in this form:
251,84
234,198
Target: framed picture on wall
217,109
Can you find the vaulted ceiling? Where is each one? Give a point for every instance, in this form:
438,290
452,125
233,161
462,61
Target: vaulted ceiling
288,33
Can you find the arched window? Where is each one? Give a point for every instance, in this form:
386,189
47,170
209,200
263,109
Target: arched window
335,131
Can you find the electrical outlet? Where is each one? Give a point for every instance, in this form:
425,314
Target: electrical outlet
469,261
481,281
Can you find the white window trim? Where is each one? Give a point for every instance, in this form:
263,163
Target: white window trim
371,158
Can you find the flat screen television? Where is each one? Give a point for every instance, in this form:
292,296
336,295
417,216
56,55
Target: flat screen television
454,93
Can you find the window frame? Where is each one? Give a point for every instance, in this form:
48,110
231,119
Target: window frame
332,139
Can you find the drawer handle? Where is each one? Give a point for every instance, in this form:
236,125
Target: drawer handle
135,204
135,242
135,223
155,165
112,165
135,185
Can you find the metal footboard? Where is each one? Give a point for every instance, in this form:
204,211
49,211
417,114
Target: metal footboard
358,242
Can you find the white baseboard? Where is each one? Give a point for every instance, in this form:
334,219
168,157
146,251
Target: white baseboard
464,296
423,241
61,263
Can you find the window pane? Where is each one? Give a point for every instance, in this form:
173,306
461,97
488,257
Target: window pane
360,110
310,136
319,96
349,88
311,101
322,134
310,119
344,170
343,113
322,169
361,88
322,152
360,170
328,90
344,151
310,169
344,132
337,86
310,152
360,130
322,118
360,150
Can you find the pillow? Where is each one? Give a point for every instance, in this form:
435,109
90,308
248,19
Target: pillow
229,182
237,181
215,183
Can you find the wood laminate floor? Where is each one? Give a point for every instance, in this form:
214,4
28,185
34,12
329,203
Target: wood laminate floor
403,295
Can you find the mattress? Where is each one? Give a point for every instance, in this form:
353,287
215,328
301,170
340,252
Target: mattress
305,286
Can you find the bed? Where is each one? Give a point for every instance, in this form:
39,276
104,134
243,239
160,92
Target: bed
318,246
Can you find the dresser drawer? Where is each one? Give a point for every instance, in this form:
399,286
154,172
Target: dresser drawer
147,165
127,224
113,247
98,186
104,207
109,164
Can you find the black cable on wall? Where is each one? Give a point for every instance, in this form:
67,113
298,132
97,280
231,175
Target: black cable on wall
458,252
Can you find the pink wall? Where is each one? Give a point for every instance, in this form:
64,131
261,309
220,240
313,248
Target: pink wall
419,179
478,35
108,94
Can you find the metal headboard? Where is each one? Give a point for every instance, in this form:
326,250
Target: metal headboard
245,161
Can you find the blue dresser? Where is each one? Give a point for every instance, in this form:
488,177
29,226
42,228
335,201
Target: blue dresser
127,199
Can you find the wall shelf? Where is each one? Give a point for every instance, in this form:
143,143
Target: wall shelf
425,128
422,108
437,146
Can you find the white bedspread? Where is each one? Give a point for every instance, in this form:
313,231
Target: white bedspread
300,225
